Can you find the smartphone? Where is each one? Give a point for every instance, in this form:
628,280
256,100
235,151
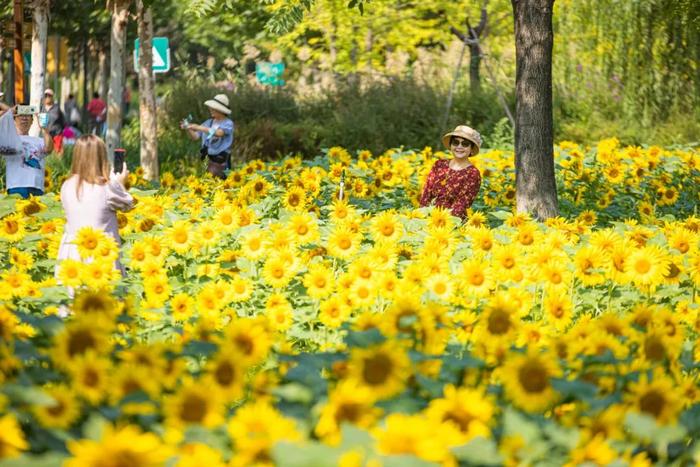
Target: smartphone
43,119
119,157
27,109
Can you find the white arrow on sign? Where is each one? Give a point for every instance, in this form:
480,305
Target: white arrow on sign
157,59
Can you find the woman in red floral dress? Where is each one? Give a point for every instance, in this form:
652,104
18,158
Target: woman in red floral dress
454,183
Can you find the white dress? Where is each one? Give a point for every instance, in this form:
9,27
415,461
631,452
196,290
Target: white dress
97,208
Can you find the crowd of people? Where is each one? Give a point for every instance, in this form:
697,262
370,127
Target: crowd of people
93,192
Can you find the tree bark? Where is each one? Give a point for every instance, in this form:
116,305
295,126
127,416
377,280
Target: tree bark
103,71
536,190
40,29
147,101
120,18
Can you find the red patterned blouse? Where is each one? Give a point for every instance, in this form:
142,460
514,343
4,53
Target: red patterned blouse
450,188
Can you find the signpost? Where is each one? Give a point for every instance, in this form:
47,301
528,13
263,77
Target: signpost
269,73
161,55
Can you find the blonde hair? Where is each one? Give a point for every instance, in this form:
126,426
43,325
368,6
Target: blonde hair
90,162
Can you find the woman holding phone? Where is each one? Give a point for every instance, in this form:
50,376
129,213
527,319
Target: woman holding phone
91,196
216,134
25,172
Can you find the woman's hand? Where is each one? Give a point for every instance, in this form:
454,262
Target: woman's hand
120,177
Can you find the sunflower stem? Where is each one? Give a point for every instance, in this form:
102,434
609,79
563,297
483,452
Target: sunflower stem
611,287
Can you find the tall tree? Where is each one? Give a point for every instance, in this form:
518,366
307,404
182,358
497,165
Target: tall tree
40,28
147,101
536,190
120,17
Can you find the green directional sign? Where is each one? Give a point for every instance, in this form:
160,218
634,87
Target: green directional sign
161,54
269,73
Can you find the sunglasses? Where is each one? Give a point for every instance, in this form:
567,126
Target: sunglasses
460,142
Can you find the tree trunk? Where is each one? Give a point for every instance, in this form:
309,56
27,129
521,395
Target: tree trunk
103,71
120,18
86,96
534,152
40,29
474,63
147,101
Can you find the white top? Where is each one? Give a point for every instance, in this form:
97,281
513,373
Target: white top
26,170
96,207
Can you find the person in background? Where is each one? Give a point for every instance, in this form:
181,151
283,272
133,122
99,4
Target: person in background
57,121
216,134
97,111
91,196
454,183
126,100
24,172
70,109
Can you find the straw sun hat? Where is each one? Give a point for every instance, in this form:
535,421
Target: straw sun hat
468,133
219,103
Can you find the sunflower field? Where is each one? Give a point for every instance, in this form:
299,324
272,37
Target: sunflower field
265,321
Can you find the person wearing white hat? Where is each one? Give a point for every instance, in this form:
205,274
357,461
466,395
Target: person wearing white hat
216,134
454,183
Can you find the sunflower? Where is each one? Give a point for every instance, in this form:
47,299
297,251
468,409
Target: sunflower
62,412
499,320
119,446
157,289
294,199
648,265
417,435
97,304
304,228
98,274
89,376
180,237
250,337
592,451
12,440
343,243
78,337
198,454
526,380
362,293
130,378
241,288
383,368
279,312
441,285
333,312
207,234
276,272
589,261
227,373
506,258
476,278
69,272
88,240
657,396
347,403
319,281
683,240
22,260
182,306
385,226
558,309
469,410
12,227
254,429
253,244
440,218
